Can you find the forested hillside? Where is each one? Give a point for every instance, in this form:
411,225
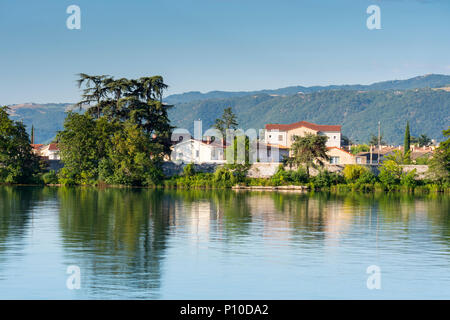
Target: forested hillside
357,107
427,110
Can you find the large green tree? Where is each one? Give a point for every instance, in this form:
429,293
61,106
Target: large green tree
126,140
18,164
309,150
226,122
440,163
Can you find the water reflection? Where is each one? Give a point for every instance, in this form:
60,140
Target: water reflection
140,243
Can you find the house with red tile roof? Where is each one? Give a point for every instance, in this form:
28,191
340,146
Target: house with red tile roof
283,134
50,151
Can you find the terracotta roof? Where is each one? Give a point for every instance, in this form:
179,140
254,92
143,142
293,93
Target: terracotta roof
341,150
36,146
313,126
53,147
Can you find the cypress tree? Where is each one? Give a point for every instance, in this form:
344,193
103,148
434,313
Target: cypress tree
407,142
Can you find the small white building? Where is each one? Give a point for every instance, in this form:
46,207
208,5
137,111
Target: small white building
196,151
49,151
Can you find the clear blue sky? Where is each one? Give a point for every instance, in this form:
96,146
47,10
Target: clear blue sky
205,45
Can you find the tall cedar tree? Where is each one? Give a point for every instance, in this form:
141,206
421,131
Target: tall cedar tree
123,114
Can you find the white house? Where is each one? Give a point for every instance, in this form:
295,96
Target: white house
196,151
50,151
283,134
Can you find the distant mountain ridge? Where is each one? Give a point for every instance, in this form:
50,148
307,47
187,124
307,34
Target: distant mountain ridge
427,110
47,118
419,82
356,107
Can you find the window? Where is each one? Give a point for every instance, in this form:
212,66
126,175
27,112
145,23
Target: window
180,138
280,137
213,154
197,153
180,155
334,160
358,160
334,137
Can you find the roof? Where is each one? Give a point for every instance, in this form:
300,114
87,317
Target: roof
313,126
36,146
341,150
210,144
367,155
49,147
53,147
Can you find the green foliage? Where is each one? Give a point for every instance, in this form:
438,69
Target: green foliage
367,178
281,176
409,179
127,139
359,148
399,157
355,110
407,142
189,170
439,170
239,158
373,141
50,177
390,174
309,150
422,141
325,179
226,122
18,164
352,172
299,176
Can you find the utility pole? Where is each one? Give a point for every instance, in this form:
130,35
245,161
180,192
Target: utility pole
379,142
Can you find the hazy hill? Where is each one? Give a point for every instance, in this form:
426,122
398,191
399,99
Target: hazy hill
46,118
427,81
357,107
357,111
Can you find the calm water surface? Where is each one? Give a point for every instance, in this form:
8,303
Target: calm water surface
146,244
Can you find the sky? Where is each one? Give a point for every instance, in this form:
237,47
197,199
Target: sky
205,45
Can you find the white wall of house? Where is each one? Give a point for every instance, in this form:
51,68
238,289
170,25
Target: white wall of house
276,137
334,139
194,151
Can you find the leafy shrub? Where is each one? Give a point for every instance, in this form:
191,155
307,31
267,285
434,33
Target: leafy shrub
50,177
390,174
189,170
325,179
352,172
281,176
299,176
409,179
367,177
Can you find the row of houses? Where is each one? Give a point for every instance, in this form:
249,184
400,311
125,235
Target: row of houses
274,147
277,141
